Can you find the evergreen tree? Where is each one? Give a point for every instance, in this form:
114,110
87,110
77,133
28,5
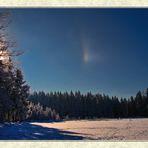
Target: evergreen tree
13,90
20,93
138,103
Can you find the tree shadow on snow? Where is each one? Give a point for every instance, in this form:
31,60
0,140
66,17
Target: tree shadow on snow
27,131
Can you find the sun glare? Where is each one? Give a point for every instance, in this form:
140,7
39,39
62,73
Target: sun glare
4,56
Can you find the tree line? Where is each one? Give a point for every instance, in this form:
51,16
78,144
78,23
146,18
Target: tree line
85,106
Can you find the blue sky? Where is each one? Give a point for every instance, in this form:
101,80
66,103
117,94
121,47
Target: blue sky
97,50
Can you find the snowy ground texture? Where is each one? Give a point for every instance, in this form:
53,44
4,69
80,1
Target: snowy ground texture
109,129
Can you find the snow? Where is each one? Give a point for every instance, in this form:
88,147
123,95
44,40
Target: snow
28,131
109,129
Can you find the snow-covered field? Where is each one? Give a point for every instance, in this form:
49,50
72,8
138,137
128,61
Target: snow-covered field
109,129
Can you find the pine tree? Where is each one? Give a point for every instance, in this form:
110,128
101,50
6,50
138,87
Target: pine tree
13,90
138,101
6,104
20,93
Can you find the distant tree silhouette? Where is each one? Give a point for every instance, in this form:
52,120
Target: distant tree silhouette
79,106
